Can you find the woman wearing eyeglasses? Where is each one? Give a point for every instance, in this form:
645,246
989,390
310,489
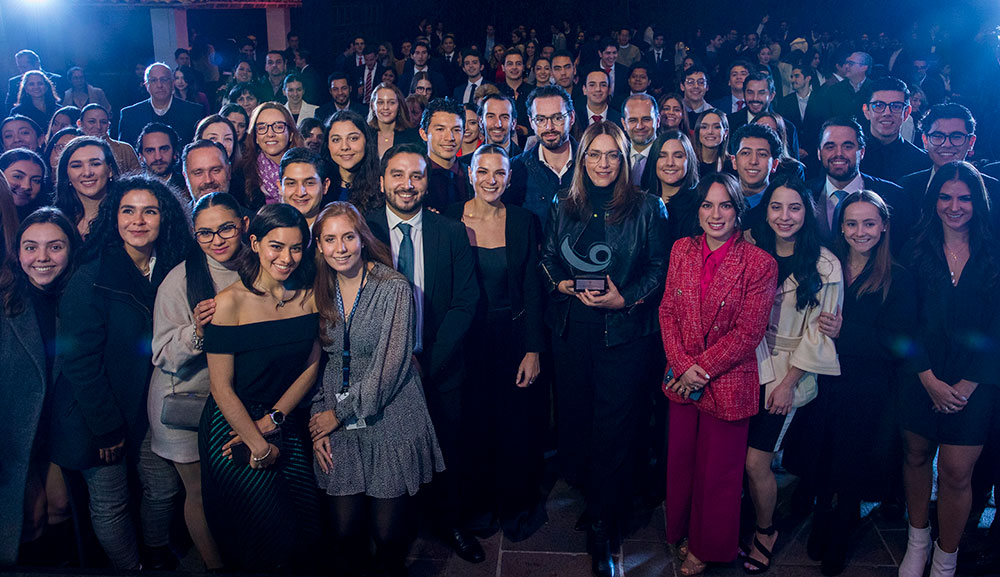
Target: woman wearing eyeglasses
185,303
272,131
604,260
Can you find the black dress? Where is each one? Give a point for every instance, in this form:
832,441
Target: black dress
959,339
261,518
845,439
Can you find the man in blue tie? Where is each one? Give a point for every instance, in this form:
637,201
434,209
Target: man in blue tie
433,252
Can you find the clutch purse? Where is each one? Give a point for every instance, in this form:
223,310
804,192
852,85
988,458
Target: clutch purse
182,410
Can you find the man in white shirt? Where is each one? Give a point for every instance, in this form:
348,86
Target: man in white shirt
472,66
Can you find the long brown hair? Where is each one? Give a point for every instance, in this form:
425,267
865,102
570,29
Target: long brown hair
625,197
402,114
8,219
880,264
251,151
372,250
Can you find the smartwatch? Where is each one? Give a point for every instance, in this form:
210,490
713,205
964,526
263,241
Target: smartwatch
277,417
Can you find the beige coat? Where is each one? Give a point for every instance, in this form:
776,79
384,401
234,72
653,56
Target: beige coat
793,337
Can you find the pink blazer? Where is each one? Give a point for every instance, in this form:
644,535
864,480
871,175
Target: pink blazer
719,333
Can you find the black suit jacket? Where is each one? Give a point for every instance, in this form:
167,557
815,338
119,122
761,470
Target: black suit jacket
662,73
788,107
183,117
904,215
451,295
437,80
841,100
583,120
359,81
14,86
326,111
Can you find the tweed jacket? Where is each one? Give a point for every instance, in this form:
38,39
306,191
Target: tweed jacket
721,331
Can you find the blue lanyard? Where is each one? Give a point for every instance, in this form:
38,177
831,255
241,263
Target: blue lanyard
349,320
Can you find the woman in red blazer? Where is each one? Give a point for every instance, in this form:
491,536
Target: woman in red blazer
713,315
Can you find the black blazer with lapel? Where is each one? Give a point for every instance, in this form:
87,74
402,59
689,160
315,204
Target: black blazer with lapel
523,240
451,294
904,215
182,116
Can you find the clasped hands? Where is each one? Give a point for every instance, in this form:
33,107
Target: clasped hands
693,379
320,426
268,457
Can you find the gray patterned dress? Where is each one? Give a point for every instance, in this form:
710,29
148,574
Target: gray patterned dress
398,451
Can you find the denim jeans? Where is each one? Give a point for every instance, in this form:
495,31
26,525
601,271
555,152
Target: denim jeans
109,513
161,486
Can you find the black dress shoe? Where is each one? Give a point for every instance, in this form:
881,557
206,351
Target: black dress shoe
466,546
601,562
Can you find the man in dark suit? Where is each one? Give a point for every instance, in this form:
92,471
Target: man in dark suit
949,135
497,115
420,62
340,91
888,156
28,60
596,108
472,66
734,101
842,146
661,64
803,106
564,74
449,64
368,76
758,91
516,87
845,98
442,127
433,252
161,106
617,73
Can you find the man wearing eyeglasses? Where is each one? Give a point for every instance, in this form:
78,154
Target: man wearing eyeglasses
949,135
538,173
161,106
888,156
846,97
694,85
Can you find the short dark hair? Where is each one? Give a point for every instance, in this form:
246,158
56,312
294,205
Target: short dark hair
419,44
158,127
739,62
695,69
809,72
563,54
756,131
305,54
31,55
472,52
759,77
949,110
511,52
301,155
336,75
846,122
606,42
888,83
278,52
549,90
180,51
496,96
290,78
243,88
441,105
407,148
199,144
639,65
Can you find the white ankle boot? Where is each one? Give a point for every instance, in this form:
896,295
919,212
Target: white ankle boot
944,564
918,552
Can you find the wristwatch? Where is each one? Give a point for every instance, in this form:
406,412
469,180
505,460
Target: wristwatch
277,417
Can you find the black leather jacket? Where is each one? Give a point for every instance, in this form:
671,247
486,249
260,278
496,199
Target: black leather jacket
638,268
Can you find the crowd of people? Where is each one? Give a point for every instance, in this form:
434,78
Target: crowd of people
291,312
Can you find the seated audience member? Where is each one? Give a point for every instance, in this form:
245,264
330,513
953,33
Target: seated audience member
472,66
81,93
949,392
65,116
206,169
95,121
27,178
389,118
275,70
421,84
672,115
415,106
243,73
887,155
712,380
21,132
311,129
185,303
8,223
83,180
734,101
373,440
270,134
597,109
472,138
26,60
187,87
303,182
103,345
350,150
293,91
54,147
159,152
497,118
161,106
33,498
340,90
711,141
37,98
754,152
842,148
694,87
240,118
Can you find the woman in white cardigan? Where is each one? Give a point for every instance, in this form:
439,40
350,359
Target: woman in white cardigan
185,304
797,346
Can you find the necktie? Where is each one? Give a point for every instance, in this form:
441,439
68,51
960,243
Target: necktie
472,92
836,200
595,118
369,75
361,60
404,261
740,104
657,56
611,82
